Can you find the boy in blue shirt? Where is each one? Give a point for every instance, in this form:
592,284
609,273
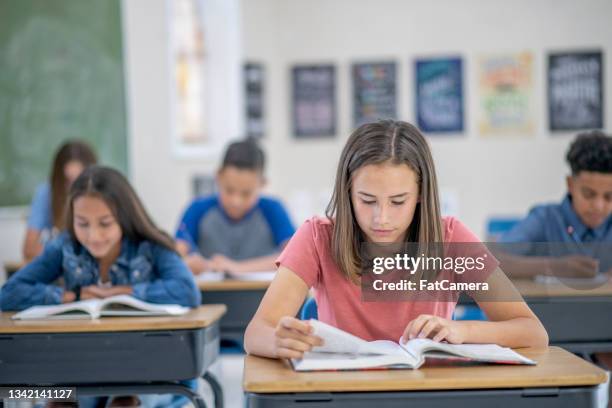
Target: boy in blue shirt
582,221
236,230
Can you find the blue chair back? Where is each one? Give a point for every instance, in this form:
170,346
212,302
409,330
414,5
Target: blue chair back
309,309
497,226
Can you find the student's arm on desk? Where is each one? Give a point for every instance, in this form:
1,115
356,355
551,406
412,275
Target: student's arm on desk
273,331
194,261
174,283
33,284
259,264
521,267
512,323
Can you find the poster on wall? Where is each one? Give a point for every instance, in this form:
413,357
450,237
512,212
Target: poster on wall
506,95
439,94
575,90
374,92
314,101
254,99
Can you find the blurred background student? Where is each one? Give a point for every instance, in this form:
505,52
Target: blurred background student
237,230
47,209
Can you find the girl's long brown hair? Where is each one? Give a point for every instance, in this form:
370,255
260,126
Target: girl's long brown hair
391,141
72,150
110,186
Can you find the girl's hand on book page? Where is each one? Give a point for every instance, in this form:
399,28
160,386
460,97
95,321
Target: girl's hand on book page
68,297
294,337
435,328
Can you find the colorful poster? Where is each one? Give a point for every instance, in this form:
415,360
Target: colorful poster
254,99
374,92
575,90
314,101
506,95
439,94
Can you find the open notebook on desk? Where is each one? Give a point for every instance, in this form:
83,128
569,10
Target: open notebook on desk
121,305
211,276
343,351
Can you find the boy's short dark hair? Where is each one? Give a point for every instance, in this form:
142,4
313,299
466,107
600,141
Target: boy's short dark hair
590,151
245,155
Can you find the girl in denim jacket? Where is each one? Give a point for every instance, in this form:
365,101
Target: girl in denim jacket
110,247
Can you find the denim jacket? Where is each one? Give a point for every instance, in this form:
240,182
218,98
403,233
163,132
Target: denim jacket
155,274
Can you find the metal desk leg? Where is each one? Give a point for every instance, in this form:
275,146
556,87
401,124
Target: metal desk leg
216,388
150,388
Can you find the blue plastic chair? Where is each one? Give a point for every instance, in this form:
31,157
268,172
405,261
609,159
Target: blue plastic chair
468,312
309,309
497,226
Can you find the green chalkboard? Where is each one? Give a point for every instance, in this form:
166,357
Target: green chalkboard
61,77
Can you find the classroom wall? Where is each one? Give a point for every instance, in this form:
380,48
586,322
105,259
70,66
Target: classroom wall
478,177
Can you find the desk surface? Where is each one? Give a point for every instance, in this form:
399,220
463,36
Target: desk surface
13,266
198,318
529,288
233,284
556,367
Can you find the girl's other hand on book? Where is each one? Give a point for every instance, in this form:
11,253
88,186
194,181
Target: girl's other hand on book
435,328
294,337
68,297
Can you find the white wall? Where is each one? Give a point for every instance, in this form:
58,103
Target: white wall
163,179
503,176
488,176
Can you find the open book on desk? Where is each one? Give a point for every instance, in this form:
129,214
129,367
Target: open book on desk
210,276
121,305
343,351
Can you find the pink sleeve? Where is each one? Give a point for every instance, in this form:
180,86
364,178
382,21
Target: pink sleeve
300,254
466,243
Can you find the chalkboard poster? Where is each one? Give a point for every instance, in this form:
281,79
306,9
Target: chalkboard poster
575,90
374,92
439,94
61,77
314,101
254,99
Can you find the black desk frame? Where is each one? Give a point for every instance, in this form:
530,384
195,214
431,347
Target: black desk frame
151,361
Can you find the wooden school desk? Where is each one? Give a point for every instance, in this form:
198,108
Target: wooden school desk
576,319
559,380
242,299
113,355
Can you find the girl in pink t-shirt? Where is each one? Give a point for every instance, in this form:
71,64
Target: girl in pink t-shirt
385,192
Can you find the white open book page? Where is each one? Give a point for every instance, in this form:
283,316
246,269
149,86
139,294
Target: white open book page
262,276
125,305
121,305
476,352
342,350
211,276
85,309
